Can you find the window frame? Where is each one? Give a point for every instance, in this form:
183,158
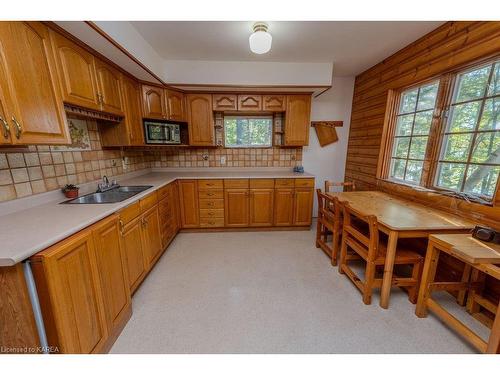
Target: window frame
448,81
262,116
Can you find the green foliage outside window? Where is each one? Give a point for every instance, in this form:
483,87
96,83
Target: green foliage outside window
243,131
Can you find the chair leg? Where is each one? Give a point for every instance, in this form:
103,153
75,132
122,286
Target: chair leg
369,278
416,275
318,232
335,245
343,253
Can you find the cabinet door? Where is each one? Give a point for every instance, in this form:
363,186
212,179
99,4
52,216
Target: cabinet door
109,84
225,102
283,206
151,234
274,103
133,111
76,70
297,120
200,119
236,206
261,207
112,271
75,295
5,135
153,102
35,109
303,202
175,105
249,103
133,250
188,202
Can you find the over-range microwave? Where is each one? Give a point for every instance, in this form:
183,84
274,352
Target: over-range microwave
164,133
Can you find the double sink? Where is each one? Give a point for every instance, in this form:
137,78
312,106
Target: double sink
118,194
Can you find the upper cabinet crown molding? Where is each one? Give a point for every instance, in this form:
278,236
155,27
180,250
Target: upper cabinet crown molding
249,102
225,102
29,86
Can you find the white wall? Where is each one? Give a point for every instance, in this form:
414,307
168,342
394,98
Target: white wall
328,163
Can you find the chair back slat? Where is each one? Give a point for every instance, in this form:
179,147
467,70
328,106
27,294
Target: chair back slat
346,185
369,240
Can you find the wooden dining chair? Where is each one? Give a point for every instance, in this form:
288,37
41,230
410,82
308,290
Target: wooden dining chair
364,243
329,224
346,185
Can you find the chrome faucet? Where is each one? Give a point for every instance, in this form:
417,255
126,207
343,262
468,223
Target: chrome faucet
105,185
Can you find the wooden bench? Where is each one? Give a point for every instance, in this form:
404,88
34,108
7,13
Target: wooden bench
481,257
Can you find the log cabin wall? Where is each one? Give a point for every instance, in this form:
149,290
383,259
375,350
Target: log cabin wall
447,48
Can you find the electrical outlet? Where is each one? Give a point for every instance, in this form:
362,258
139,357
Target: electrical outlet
125,163
222,160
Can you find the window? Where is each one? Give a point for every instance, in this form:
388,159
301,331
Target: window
469,160
413,124
248,131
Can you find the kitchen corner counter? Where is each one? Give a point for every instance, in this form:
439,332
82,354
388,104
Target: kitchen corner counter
26,231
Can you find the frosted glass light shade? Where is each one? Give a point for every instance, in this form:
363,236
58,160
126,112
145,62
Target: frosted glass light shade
260,42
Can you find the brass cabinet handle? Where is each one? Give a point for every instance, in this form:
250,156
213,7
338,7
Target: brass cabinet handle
18,127
122,227
6,127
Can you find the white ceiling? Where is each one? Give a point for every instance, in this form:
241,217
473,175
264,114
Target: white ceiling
352,46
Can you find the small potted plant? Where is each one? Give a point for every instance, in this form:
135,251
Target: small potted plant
70,191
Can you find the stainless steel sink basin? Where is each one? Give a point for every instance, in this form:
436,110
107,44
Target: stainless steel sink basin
111,196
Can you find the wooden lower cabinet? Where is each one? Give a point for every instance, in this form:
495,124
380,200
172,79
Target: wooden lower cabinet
188,202
261,207
293,206
133,248
236,206
302,206
82,290
283,207
151,235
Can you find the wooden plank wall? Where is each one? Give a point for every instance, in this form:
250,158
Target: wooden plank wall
448,47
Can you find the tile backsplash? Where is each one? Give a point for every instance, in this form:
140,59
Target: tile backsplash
36,169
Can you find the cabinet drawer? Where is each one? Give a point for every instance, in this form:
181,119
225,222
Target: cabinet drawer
211,222
207,212
279,182
211,194
304,182
149,201
129,213
211,203
163,192
210,184
236,183
262,183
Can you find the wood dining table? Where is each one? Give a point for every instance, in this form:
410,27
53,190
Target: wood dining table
401,218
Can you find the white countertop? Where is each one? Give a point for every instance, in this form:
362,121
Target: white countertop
25,231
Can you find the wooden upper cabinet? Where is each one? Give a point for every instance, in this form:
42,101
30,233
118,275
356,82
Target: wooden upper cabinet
133,111
30,86
175,105
236,206
225,102
188,203
153,102
112,270
261,207
274,103
5,135
76,69
109,85
302,209
249,102
297,120
200,120
74,314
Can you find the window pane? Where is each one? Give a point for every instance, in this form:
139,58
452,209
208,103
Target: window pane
408,101
490,119
404,124
401,147
464,117
398,168
417,147
427,96
487,148
472,85
451,175
423,122
481,179
494,88
248,132
414,171
457,147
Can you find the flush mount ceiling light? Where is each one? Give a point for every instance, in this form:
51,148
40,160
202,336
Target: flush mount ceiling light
260,41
